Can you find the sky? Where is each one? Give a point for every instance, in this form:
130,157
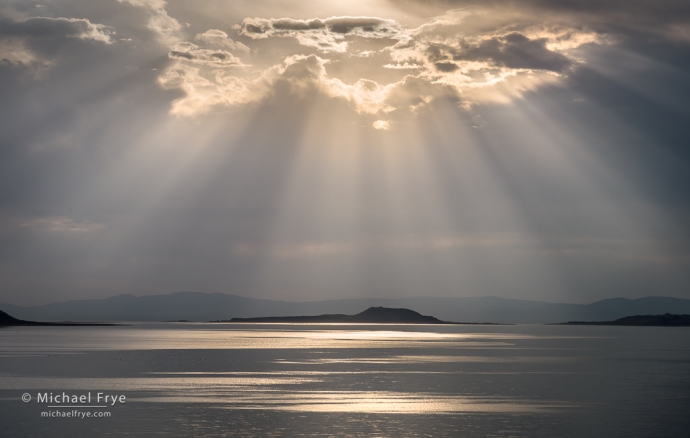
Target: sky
312,150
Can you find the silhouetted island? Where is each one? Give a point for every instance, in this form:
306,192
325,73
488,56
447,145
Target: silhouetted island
9,320
666,320
373,315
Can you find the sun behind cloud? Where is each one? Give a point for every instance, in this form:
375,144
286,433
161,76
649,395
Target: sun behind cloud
381,124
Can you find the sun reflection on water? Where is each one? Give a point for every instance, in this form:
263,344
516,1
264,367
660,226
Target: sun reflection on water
206,336
333,370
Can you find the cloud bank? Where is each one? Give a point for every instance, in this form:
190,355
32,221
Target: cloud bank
443,60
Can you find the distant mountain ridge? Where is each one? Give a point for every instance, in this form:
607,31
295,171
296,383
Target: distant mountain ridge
200,306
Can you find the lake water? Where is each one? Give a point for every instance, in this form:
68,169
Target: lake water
251,380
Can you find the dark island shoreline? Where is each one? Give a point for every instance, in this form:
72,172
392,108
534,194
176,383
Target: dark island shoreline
373,315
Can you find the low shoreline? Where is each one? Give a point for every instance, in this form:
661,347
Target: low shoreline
665,320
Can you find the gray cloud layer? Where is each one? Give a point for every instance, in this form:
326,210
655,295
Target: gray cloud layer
192,52
513,50
363,26
46,27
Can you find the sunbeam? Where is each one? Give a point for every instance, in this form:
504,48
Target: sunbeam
343,150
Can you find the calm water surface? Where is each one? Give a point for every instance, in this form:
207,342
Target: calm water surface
351,380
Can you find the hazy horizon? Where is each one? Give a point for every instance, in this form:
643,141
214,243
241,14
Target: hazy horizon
343,298
310,151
